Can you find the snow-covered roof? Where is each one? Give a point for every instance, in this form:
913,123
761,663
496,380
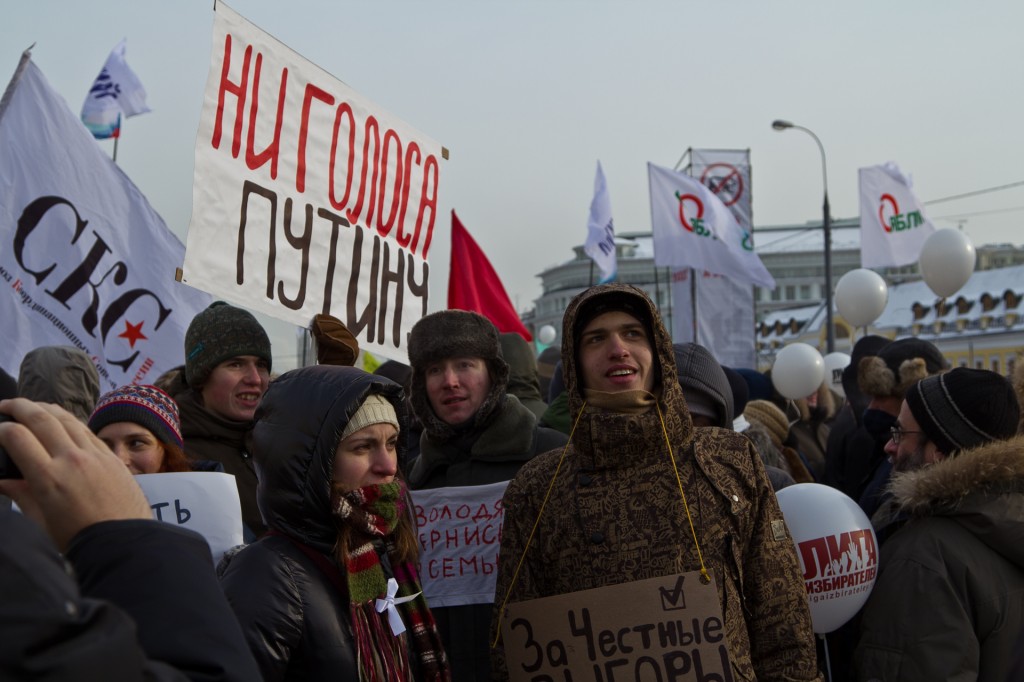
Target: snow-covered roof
964,310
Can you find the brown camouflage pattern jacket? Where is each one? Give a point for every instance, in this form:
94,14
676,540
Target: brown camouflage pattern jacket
615,515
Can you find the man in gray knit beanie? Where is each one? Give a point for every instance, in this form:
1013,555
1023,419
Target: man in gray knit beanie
955,562
227,371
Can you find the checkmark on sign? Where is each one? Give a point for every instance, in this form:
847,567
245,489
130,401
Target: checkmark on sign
673,599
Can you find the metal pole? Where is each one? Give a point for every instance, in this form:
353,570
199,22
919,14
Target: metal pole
117,137
826,225
830,338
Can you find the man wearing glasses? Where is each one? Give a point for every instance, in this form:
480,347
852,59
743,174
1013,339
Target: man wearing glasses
948,602
885,378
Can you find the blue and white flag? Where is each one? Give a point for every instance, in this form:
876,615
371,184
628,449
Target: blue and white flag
600,244
694,229
116,91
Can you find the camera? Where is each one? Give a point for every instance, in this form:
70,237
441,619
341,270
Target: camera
8,469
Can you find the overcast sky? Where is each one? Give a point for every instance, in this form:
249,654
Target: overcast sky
528,96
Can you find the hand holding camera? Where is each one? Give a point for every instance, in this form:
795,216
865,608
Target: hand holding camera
71,479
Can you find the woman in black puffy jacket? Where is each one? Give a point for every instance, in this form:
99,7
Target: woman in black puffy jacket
332,591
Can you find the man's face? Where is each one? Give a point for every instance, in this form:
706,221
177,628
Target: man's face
914,450
235,386
457,387
615,354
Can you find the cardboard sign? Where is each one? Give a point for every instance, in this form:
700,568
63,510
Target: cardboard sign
203,501
459,531
667,628
307,197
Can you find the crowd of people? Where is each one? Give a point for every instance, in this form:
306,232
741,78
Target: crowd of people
626,458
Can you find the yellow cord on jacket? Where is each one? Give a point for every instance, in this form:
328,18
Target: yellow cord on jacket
522,557
705,577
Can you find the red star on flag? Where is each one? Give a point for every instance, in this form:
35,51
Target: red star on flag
132,332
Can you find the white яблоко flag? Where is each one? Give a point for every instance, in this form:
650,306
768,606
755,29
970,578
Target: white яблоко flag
724,308
85,260
116,91
893,224
694,229
600,244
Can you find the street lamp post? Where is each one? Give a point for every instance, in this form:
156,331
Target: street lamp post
827,227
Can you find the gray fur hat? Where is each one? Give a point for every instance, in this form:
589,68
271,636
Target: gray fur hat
453,334
898,366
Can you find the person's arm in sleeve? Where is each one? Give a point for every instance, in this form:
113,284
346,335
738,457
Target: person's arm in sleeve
511,587
778,617
914,627
163,577
76,489
49,631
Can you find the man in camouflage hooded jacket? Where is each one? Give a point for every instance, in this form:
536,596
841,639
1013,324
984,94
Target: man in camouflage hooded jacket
619,516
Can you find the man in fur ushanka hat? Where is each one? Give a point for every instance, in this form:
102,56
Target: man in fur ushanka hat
954,568
474,433
884,378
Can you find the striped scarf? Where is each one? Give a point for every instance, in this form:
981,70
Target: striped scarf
374,512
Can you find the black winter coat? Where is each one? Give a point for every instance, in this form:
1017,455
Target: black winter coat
146,606
294,613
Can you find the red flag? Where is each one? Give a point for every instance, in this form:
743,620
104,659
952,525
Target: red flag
474,285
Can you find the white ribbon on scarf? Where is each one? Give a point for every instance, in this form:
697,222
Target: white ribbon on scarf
389,602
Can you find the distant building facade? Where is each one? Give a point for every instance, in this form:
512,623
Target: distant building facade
982,326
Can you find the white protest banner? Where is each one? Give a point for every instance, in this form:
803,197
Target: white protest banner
86,260
202,501
725,316
667,628
893,224
725,307
459,531
307,197
693,229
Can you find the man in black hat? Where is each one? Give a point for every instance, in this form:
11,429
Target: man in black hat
954,572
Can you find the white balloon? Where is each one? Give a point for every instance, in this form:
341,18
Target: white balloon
837,548
947,261
798,371
835,363
861,296
546,334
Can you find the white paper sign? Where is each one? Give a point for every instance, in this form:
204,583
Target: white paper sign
307,197
202,501
459,531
